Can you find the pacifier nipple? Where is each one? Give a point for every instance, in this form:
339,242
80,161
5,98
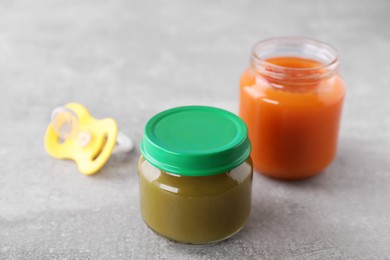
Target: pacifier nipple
66,124
74,134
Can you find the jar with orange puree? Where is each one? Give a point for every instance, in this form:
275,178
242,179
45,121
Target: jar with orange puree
195,174
291,99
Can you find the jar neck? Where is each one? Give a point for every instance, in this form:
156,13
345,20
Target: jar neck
306,61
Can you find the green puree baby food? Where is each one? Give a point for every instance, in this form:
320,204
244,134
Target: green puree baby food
195,174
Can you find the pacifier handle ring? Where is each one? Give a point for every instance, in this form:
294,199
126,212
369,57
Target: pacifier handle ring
123,144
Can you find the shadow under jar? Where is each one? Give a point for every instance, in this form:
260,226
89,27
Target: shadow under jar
291,99
195,174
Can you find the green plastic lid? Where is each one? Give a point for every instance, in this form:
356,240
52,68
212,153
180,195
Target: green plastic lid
195,141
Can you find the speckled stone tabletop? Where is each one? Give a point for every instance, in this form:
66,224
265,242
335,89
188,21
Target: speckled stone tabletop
131,59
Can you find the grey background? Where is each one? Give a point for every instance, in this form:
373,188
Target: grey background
131,59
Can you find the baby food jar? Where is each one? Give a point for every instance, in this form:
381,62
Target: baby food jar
291,99
195,174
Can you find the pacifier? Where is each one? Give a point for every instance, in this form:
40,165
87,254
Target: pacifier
74,134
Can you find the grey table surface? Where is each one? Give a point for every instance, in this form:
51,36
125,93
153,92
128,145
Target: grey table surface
131,59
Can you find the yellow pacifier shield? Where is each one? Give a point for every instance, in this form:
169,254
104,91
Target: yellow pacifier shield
74,134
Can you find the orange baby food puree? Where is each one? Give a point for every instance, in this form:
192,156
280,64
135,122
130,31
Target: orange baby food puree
293,121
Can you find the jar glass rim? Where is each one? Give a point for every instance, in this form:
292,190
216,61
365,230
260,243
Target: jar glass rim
316,50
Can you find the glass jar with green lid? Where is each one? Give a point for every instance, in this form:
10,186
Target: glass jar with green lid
195,174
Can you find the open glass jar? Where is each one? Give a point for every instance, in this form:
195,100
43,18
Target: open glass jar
291,99
195,174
